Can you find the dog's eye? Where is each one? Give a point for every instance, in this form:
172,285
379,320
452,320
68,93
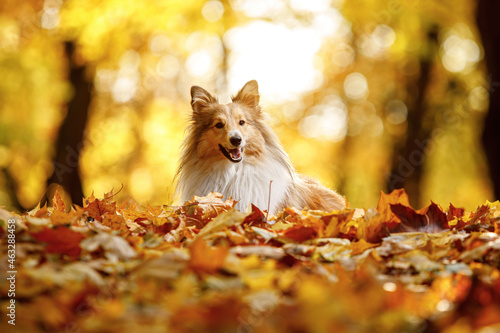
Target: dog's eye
219,125
242,122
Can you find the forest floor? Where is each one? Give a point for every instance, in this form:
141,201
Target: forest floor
205,267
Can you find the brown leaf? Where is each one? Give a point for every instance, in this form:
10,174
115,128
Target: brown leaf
429,219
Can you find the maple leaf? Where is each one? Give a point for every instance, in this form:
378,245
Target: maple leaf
385,201
96,208
454,212
60,240
429,219
372,227
39,211
57,201
60,217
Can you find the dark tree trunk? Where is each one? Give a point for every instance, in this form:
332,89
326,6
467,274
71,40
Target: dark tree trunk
71,133
409,154
489,28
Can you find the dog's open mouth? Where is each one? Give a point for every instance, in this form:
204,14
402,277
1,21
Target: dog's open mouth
235,155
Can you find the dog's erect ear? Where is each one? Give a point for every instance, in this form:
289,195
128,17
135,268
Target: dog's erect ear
201,98
248,95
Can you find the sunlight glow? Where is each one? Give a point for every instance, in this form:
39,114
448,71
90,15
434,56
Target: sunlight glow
396,112
50,18
326,121
259,8
378,42
205,55
199,63
168,66
459,54
356,86
282,59
212,10
125,86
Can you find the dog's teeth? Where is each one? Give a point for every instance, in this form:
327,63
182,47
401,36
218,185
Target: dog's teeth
235,153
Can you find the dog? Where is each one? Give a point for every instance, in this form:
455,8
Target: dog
229,149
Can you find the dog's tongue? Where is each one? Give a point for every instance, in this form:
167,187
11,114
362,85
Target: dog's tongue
235,153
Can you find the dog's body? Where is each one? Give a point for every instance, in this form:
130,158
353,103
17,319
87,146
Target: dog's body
229,149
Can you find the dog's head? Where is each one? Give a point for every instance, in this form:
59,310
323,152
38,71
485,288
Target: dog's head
227,131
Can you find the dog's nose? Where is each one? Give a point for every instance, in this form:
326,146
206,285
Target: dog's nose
235,141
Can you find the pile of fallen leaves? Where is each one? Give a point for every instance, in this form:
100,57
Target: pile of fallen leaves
205,267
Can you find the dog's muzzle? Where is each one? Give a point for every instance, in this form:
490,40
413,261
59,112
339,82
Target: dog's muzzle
235,155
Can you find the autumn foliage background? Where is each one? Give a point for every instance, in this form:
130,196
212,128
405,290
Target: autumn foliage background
368,96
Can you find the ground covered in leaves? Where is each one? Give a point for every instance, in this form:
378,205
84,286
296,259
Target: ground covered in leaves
205,267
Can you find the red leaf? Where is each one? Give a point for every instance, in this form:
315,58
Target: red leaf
256,218
60,240
454,212
300,233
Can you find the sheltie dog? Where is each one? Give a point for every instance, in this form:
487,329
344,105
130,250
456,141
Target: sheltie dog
231,150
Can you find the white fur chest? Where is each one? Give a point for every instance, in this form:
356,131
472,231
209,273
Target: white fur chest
242,181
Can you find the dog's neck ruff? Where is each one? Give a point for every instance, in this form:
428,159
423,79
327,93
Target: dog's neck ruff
247,183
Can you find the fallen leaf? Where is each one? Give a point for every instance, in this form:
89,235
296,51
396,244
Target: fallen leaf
115,247
60,240
206,259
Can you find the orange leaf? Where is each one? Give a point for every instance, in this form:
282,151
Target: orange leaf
373,229
397,196
40,212
206,258
361,246
57,202
96,208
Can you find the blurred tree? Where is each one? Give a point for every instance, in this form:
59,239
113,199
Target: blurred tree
409,153
71,132
489,28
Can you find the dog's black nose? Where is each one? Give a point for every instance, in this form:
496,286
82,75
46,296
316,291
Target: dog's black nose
235,141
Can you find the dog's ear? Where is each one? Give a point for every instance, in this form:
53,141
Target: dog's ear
248,95
201,98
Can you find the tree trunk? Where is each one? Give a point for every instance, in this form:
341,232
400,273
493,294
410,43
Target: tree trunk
489,28
409,155
71,133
